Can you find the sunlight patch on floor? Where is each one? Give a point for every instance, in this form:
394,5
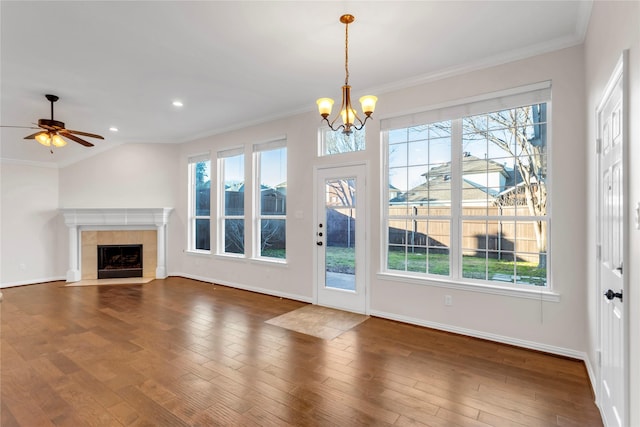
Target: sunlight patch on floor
321,322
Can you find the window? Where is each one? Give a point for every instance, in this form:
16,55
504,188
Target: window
271,198
199,203
231,218
419,210
338,142
467,196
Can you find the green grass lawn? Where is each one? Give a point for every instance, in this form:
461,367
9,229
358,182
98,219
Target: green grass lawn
342,260
274,253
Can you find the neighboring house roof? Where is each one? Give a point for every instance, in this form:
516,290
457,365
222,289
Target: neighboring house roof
237,187
282,188
439,190
437,185
470,164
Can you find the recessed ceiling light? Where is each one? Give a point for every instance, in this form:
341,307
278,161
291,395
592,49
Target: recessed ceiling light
113,129
177,103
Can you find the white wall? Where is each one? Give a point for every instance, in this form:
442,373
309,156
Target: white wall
614,26
128,176
31,245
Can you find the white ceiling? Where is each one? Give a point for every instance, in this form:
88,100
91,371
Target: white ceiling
234,63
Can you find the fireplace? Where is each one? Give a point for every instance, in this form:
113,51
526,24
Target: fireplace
116,261
89,227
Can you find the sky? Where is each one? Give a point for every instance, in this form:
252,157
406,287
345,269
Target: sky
273,168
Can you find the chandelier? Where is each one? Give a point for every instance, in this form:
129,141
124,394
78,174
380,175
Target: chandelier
350,119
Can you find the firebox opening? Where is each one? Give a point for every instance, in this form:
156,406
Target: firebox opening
118,261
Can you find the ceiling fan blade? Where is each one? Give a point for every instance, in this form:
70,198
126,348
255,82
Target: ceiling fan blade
76,139
33,135
77,132
47,127
20,127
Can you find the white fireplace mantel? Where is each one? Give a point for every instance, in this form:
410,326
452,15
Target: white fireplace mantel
115,219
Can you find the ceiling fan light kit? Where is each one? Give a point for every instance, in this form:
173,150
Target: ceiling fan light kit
48,139
348,114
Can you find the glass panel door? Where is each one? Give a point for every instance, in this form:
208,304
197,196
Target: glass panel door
340,238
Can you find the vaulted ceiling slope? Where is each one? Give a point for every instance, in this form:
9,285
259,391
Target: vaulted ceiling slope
234,63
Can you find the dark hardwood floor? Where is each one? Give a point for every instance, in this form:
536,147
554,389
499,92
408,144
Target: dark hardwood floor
179,352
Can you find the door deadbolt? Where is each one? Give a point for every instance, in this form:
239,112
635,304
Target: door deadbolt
611,295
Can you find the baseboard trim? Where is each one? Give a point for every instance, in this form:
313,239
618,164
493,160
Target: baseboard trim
594,385
531,345
32,282
235,285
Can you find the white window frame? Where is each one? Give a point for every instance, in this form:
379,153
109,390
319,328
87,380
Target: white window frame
258,149
222,216
456,111
192,161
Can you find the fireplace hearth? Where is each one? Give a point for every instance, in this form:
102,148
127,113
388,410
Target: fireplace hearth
119,261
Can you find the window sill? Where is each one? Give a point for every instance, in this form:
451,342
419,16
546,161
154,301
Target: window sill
231,257
537,294
198,252
270,261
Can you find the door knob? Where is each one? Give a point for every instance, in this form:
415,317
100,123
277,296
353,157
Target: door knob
319,243
611,295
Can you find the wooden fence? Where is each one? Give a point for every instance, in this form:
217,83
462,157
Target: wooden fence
504,239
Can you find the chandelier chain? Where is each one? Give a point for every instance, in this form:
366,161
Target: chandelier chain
346,54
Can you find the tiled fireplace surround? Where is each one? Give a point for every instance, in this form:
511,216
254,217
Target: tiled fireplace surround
91,227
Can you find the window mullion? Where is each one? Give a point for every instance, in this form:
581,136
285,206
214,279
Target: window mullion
256,205
456,199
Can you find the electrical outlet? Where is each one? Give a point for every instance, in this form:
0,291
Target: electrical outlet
448,300
22,266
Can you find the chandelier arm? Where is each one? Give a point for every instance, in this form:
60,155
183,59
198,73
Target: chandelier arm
334,121
330,124
356,117
361,124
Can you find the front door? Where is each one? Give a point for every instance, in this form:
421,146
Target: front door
340,238
611,232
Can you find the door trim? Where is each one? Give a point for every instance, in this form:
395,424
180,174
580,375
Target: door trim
367,217
620,73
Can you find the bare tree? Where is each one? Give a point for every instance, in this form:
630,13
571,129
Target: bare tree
344,190
234,236
340,142
272,233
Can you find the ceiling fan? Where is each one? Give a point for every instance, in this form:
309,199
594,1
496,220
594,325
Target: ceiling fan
53,131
